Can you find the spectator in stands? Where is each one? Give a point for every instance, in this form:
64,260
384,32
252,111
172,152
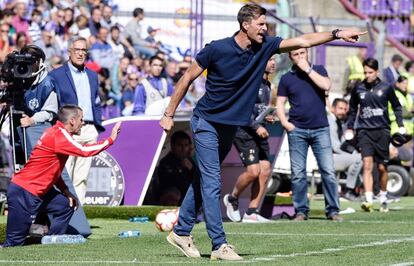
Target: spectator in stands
95,20
133,32
127,105
80,27
69,18
8,16
57,23
49,45
369,102
5,44
151,37
171,71
101,51
35,28
153,88
343,161
392,73
177,169
19,21
106,20
305,86
21,41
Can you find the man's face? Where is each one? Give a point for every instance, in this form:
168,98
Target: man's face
298,55
340,110
271,65
256,29
77,53
397,64
77,123
132,80
370,74
171,69
115,34
107,13
182,148
20,9
156,67
103,34
96,15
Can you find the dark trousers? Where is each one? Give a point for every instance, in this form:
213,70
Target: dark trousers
23,208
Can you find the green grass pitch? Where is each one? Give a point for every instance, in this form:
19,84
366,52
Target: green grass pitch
362,239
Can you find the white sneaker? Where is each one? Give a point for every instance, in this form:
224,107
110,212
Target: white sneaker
232,212
225,252
254,218
184,243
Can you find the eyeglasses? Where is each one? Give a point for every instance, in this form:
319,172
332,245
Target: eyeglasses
133,79
80,51
5,31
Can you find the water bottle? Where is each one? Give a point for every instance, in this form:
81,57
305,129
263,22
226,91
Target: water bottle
131,233
63,239
143,219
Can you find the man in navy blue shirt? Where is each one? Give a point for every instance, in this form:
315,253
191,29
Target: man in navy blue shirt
235,67
306,86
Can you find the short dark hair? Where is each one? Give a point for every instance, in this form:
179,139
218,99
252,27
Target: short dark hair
249,12
408,65
115,27
179,135
152,58
137,11
401,79
371,63
396,58
66,112
36,12
339,100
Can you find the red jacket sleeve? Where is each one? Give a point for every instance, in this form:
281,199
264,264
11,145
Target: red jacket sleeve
65,144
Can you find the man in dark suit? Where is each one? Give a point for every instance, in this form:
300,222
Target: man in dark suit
79,85
391,73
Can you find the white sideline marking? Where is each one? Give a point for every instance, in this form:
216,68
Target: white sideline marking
410,263
315,234
341,248
88,262
379,222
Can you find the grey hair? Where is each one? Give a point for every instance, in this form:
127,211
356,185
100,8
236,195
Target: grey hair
76,39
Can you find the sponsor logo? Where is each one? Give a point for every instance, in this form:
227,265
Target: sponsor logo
106,183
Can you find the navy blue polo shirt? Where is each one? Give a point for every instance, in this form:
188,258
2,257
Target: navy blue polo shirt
307,101
233,79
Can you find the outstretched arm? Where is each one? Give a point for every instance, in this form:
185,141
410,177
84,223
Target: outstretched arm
312,39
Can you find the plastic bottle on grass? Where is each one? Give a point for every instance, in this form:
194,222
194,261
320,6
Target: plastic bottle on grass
131,233
63,239
143,219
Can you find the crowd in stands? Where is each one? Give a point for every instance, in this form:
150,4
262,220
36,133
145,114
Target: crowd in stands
120,54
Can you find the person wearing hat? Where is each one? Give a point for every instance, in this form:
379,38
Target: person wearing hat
151,36
369,101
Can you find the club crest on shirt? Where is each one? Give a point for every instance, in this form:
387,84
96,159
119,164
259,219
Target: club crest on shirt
362,95
33,104
380,93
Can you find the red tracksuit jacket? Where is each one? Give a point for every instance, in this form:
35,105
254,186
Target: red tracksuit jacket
45,165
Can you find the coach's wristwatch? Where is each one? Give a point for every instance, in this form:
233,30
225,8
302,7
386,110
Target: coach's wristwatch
335,34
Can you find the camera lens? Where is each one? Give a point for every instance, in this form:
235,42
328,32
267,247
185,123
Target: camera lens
22,69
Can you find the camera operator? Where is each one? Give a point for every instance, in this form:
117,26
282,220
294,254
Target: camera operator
40,99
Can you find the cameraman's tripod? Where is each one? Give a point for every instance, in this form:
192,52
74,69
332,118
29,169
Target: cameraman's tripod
18,145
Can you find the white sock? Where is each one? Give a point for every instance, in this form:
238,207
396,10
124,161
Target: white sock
383,196
369,196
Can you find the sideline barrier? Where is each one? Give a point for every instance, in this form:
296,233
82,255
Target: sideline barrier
138,150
